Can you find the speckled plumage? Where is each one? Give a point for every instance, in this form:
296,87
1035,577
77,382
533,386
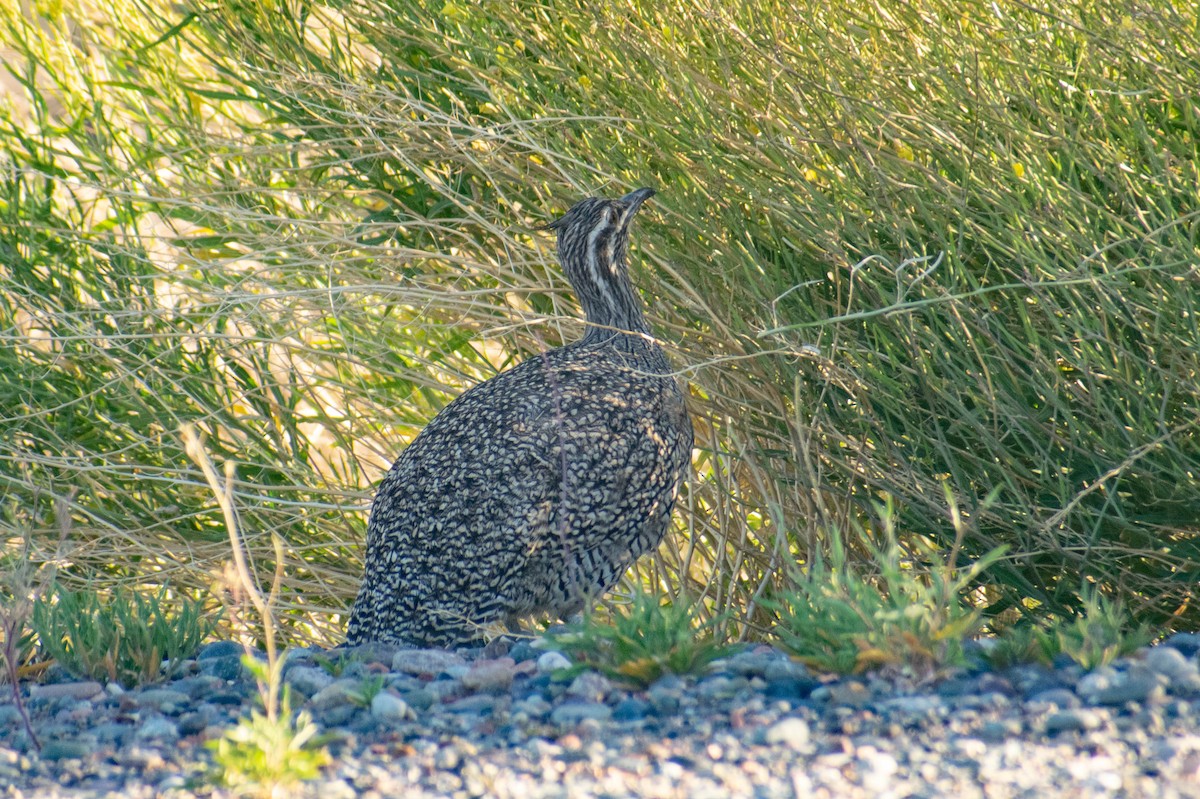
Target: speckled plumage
533,491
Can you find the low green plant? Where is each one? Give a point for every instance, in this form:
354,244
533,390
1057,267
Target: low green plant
835,618
333,666
273,749
368,688
1099,634
127,637
644,640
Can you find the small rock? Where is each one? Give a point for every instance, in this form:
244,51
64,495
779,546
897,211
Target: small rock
522,651
754,663
632,709
550,662
494,676
337,694
666,694
1072,721
419,699
193,723
791,732
370,652
574,712
849,694
790,689
223,668
163,699
444,690
1170,663
389,708
1095,681
112,733
914,705
476,704
157,728
308,680
785,668
87,689
534,707
591,686
426,661
1061,698
1137,685
721,687
221,649
1188,644
63,750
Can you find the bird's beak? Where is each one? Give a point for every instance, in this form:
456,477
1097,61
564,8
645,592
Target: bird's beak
634,199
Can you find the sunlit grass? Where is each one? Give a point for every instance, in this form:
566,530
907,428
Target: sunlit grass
894,247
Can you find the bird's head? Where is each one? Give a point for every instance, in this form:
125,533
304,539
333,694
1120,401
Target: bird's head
593,238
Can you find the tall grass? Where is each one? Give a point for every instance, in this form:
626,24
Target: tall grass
895,247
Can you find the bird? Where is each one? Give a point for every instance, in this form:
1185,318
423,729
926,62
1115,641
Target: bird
531,493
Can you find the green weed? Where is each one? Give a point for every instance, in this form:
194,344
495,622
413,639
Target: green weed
910,612
128,637
644,639
1098,634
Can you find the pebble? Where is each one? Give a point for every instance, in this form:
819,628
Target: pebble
591,686
575,712
426,661
755,723
87,689
1071,721
308,680
790,732
490,675
550,662
389,708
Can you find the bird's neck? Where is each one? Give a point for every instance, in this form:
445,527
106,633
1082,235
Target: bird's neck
612,308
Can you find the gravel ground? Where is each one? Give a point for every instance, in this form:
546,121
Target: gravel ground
466,724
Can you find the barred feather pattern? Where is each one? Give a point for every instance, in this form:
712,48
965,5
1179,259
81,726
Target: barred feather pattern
534,491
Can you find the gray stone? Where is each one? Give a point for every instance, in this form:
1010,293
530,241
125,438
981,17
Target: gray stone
1170,663
164,700
791,732
1092,683
1061,698
337,694
112,733
390,709
221,649
493,676
1138,685
308,680
574,712
419,699
223,668
631,709
475,704
65,749
590,686
1188,644
1072,721
86,689
550,662
426,661
533,707
915,705
157,728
